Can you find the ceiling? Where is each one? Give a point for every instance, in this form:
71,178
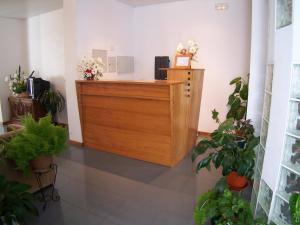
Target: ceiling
137,3
22,9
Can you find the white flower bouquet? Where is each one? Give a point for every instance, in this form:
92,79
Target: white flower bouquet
192,49
91,69
17,82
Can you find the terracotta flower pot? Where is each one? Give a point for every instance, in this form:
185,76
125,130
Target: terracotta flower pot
236,182
41,163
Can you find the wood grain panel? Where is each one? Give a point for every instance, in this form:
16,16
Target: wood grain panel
196,97
193,80
127,90
179,122
126,120
147,106
149,147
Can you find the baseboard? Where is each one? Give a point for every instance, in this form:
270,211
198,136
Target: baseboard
203,134
77,143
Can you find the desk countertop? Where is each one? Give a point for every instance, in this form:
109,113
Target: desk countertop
143,82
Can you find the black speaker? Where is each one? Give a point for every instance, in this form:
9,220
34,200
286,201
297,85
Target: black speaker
161,62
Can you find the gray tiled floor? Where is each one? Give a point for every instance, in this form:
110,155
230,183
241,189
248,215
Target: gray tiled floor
98,188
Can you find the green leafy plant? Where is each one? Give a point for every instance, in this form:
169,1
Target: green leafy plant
36,139
227,151
223,207
53,101
237,103
295,208
15,202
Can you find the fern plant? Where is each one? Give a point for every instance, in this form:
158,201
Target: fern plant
295,208
36,139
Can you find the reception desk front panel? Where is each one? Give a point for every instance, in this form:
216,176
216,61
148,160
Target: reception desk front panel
142,120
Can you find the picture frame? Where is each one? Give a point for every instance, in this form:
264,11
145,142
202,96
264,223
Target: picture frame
183,61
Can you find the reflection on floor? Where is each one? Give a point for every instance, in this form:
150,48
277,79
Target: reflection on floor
98,188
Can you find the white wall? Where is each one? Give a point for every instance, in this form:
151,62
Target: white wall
93,24
258,62
107,25
223,36
46,50
13,53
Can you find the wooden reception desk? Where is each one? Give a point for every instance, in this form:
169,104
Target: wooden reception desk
154,121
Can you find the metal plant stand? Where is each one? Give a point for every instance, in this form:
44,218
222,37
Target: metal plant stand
53,195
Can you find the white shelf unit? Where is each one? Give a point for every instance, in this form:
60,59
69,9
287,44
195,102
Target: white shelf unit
279,148
262,195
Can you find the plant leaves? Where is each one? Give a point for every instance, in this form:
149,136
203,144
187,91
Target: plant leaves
215,115
238,86
244,92
252,143
240,113
204,163
231,99
235,80
226,125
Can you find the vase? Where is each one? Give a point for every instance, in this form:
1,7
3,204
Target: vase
236,182
90,78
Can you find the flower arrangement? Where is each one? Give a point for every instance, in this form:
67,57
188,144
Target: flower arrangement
91,69
192,49
17,82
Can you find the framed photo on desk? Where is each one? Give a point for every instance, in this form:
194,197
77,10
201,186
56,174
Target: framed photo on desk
183,61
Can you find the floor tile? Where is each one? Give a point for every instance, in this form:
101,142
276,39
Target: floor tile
98,188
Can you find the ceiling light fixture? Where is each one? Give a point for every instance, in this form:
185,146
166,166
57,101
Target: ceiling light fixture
221,6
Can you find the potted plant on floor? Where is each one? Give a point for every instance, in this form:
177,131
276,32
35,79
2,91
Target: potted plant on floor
221,206
53,101
295,208
15,202
237,161
36,144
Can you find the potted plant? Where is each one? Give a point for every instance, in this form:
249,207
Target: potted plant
237,161
53,101
295,208
221,206
17,83
15,202
36,144
237,103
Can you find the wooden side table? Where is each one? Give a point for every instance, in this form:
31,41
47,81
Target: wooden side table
20,106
